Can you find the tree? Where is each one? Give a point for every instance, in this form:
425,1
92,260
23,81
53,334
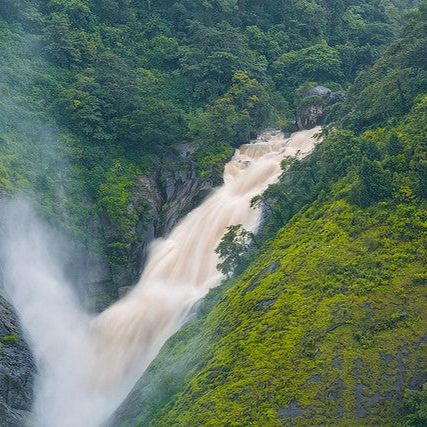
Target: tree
10,8
394,145
414,411
319,62
157,123
233,247
61,40
375,180
162,52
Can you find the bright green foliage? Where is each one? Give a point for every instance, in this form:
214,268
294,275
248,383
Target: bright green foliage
290,326
388,90
319,62
328,316
11,339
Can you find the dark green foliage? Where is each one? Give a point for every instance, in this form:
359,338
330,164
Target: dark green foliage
389,90
415,408
319,62
375,181
233,246
156,122
394,146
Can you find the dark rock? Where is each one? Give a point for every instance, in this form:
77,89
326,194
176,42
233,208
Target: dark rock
124,290
265,304
182,190
17,370
321,91
360,410
293,410
313,104
315,379
416,381
168,193
356,371
336,390
336,363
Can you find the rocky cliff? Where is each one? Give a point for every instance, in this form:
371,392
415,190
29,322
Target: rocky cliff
16,370
173,188
169,192
312,106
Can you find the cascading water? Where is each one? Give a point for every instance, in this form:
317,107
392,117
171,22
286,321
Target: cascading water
87,365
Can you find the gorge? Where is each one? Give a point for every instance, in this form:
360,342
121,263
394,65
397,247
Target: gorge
176,247
88,365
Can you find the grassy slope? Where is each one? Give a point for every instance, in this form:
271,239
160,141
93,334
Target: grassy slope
337,330
326,327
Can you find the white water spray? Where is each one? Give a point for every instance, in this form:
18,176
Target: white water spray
88,365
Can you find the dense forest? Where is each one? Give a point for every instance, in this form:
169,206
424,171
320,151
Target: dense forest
321,320
106,87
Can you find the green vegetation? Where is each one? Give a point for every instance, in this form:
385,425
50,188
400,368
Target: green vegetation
415,407
234,245
316,307
89,84
12,339
326,323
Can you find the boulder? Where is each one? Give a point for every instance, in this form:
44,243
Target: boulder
312,106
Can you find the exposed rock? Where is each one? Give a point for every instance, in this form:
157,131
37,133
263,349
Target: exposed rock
183,189
312,106
272,268
293,410
166,195
16,370
321,91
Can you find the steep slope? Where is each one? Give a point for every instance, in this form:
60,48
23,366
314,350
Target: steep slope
17,368
327,326
334,335
95,93
326,323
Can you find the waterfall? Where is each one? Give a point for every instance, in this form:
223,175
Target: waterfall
87,365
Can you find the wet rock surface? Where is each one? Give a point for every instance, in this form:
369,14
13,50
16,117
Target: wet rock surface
16,370
168,193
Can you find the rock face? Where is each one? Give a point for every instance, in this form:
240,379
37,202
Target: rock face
182,188
16,370
169,193
312,106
